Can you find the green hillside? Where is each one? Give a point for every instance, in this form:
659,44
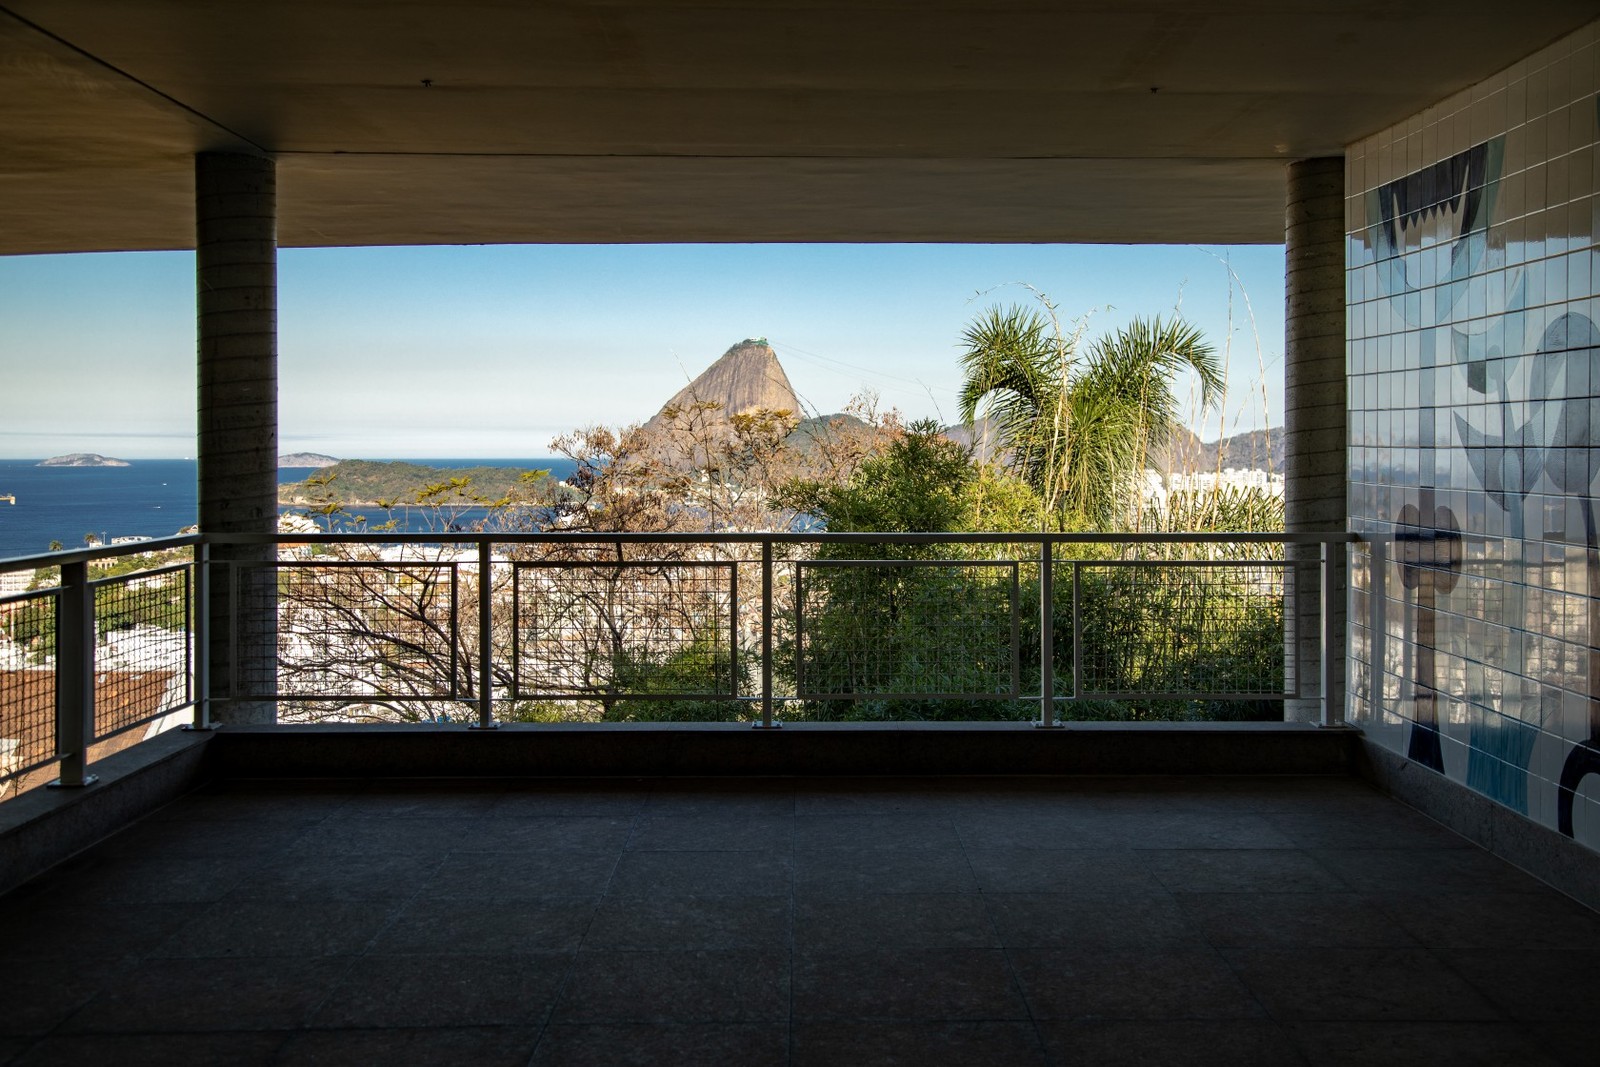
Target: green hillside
369,483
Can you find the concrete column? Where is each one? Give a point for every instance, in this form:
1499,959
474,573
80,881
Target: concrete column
1316,462
236,261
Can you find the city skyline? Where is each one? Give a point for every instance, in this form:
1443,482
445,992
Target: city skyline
494,350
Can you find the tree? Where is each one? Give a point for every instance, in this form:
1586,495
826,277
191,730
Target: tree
933,623
1078,422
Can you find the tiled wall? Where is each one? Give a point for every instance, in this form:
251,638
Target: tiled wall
1474,360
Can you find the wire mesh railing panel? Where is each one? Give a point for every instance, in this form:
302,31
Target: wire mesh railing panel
352,629
143,658
1181,629
27,685
627,629
928,629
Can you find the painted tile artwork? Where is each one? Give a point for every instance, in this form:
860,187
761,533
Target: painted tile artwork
1473,288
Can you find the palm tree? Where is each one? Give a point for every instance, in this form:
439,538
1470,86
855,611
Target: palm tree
1078,426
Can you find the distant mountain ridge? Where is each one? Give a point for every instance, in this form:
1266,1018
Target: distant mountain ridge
1185,452
745,378
1250,450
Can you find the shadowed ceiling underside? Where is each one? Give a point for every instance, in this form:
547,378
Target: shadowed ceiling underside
465,121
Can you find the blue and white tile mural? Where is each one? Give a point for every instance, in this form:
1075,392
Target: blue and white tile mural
1474,367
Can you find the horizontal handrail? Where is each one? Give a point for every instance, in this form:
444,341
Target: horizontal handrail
468,537
89,555
779,537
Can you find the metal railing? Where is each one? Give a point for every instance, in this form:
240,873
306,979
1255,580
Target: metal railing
756,627
87,657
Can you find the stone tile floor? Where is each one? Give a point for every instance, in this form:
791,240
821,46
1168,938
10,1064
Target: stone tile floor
751,922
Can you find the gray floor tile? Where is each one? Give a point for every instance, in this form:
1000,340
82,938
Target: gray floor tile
1457,1044
855,872
1179,1043
1384,870
567,833
1002,870
393,991
367,835
1284,920
721,922
1195,830
670,986
1570,1043
486,876
708,874
432,834
1532,984
201,995
448,802
434,926
977,1044
1077,984
257,928
1358,984
53,990
37,930
713,833
354,877
1494,920
573,798
1390,826
664,1045
1313,795
719,796
1242,871
827,924
1004,827
874,831
928,984
99,876
482,1046
245,839
1151,922
243,1049
880,796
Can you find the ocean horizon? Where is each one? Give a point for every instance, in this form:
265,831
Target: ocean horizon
147,498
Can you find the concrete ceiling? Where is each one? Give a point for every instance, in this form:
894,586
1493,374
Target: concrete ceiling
467,121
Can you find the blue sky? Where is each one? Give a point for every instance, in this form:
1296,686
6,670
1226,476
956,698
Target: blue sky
493,350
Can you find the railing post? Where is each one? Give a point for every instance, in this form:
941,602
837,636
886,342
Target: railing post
485,637
200,654
767,722
1331,716
74,676
1047,637
1077,630
1377,623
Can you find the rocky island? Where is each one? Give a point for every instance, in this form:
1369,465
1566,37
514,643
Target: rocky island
306,459
84,459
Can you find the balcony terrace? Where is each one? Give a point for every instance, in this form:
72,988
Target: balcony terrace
790,920
326,888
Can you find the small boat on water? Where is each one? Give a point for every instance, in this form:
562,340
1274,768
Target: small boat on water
9,498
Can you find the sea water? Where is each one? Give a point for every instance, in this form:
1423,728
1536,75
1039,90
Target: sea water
150,498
